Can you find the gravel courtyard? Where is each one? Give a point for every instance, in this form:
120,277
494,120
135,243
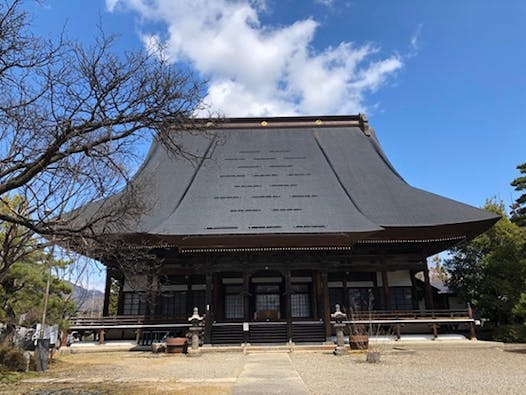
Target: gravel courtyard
431,368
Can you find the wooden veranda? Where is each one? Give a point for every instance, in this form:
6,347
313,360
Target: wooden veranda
150,329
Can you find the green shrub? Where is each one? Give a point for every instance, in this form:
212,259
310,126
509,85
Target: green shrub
515,333
519,310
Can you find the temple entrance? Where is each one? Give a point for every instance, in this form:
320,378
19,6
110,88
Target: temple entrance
266,296
266,302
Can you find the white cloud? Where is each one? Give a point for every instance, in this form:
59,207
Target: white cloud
414,44
111,4
254,69
326,3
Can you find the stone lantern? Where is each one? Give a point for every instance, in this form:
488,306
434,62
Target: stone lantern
196,328
338,316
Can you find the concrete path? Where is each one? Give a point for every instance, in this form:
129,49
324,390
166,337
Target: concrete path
269,373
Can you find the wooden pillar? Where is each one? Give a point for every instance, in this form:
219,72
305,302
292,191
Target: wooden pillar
316,290
414,295
346,308
246,297
217,300
385,285
288,301
208,308
397,331
120,300
189,301
326,304
375,289
427,288
472,331
107,294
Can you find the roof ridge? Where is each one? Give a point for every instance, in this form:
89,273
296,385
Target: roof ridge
359,120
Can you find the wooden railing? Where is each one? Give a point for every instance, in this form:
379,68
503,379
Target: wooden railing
461,314
125,321
361,316
397,319
390,318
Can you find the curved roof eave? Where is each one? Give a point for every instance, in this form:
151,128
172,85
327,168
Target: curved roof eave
276,183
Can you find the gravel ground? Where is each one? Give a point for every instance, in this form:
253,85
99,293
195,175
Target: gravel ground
133,373
417,369
143,365
445,368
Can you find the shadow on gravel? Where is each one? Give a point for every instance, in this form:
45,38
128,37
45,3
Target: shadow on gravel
517,350
67,391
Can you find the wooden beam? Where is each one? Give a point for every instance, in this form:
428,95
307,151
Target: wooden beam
237,262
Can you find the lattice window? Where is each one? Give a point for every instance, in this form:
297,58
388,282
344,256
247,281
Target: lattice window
173,304
300,305
401,298
233,302
233,306
267,302
133,304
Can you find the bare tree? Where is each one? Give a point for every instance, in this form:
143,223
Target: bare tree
17,242
71,119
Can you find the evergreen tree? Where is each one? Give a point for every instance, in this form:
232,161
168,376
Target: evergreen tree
24,269
518,213
22,290
490,270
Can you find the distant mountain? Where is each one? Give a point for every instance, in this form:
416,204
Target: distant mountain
89,301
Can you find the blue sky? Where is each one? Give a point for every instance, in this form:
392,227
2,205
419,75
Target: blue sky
443,83
449,106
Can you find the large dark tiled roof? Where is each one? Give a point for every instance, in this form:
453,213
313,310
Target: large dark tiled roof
288,177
